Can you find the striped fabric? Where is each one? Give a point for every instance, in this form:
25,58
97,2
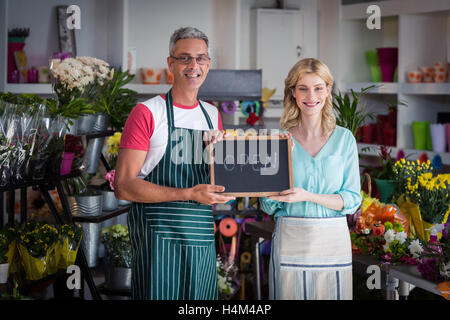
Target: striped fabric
174,255
311,259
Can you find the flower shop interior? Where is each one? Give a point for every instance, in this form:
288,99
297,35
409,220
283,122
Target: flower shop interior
64,234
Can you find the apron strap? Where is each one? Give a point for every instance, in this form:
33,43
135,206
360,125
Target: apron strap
170,116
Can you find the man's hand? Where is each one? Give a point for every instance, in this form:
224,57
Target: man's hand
213,136
208,194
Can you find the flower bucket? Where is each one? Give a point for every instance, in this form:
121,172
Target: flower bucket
73,128
95,145
372,57
4,272
85,123
90,242
110,202
420,134
375,73
386,188
447,127
90,204
118,278
66,163
438,137
387,73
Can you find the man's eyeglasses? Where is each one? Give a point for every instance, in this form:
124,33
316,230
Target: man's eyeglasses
188,59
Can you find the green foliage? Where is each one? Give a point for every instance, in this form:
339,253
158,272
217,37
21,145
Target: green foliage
351,114
115,100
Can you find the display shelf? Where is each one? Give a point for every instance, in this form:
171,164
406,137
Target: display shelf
425,88
382,87
36,88
46,180
413,153
105,215
149,89
393,8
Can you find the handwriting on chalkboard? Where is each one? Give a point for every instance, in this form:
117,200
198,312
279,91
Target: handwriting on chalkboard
257,165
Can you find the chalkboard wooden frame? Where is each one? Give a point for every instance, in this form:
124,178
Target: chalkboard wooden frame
252,193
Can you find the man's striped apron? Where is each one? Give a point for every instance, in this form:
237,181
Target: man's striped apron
174,255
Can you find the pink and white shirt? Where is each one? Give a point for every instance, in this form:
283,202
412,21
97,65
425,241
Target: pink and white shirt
147,127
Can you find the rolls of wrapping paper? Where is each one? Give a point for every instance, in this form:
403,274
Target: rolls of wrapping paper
228,107
245,104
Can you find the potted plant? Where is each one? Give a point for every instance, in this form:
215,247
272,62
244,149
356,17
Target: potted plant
384,174
117,244
37,244
68,244
115,100
351,114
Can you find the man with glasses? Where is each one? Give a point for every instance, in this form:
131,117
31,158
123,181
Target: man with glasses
161,168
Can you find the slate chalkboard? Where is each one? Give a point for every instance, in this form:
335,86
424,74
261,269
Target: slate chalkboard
252,166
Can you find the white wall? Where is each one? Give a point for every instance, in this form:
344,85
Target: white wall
40,17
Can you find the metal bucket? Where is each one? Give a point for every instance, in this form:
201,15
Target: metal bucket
73,128
95,146
85,123
118,278
110,202
4,272
90,242
90,205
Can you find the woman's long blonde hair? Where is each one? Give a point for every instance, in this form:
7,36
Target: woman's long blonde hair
292,115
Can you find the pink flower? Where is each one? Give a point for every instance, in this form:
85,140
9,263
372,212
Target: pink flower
109,176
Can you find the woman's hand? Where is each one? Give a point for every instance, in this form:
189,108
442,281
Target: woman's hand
287,135
292,195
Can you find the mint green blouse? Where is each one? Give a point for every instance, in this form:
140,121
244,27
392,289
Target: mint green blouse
334,170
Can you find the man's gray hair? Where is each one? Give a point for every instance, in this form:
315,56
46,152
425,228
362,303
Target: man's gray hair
187,33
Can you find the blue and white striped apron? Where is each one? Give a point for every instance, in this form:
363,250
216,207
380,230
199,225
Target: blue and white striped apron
173,244
311,259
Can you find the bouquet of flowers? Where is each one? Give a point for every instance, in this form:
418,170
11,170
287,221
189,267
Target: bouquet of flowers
113,143
68,244
424,197
225,274
398,248
109,177
435,262
37,243
117,244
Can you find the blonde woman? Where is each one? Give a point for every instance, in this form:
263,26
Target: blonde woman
311,251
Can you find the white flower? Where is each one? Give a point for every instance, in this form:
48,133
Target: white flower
389,236
415,248
386,247
445,270
401,237
366,231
